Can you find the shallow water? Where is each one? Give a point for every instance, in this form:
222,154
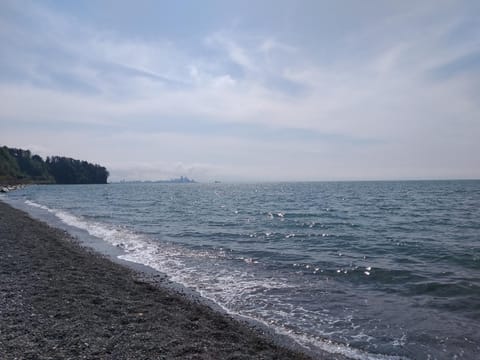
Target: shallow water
367,269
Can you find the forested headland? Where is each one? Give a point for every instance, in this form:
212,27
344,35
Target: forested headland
18,166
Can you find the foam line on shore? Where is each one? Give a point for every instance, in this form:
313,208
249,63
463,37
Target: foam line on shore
71,302
167,259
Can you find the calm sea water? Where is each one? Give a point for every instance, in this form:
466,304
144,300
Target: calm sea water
368,269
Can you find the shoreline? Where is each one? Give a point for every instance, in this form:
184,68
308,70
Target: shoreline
61,299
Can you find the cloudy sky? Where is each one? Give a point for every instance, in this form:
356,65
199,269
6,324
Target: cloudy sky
246,90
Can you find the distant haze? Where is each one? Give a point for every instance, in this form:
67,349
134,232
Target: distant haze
246,91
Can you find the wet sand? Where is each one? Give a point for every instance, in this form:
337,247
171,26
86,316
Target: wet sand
59,300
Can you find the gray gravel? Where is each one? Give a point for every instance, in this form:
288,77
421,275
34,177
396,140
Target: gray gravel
61,301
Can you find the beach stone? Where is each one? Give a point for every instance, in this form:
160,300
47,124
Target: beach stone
59,300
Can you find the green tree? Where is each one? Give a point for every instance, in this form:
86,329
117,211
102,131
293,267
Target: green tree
18,165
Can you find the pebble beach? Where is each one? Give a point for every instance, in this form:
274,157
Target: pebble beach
60,301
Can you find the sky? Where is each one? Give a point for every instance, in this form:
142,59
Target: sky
273,90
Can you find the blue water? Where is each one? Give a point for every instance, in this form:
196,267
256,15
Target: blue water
366,269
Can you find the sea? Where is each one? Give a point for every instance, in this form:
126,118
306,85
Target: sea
370,270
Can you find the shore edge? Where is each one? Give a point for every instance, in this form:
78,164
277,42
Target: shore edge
60,299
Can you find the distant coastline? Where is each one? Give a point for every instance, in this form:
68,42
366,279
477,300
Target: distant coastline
19,166
180,180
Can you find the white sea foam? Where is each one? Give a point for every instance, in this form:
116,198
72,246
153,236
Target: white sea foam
123,238
232,289
31,203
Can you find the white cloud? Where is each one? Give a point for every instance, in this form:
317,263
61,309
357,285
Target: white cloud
234,51
68,72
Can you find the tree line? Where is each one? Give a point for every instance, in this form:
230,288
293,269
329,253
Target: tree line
21,166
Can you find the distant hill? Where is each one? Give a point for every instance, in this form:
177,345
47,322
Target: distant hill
21,166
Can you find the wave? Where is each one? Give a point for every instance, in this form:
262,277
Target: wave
212,273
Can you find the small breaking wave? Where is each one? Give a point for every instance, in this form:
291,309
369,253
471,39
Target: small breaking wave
234,288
